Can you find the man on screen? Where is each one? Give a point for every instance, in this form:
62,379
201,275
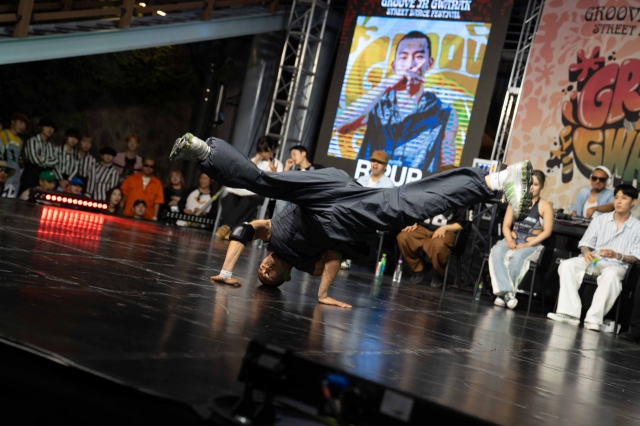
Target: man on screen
414,126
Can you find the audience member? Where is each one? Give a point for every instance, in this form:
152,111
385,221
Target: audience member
633,334
510,258
240,205
40,154
68,160
590,202
139,209
12,146
264,156
76,186
435,237
46,182
103,176
197,198
613,241
377,178
7,190
143,186
174,192
129,162
114,198
86,160
299,160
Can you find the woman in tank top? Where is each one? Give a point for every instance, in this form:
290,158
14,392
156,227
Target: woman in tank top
510,258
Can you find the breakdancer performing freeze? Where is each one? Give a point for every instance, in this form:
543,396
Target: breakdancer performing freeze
332,214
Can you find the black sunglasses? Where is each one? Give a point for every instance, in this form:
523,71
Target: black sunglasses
601,179
148,165
5,169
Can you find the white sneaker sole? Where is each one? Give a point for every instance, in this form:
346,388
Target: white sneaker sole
554,317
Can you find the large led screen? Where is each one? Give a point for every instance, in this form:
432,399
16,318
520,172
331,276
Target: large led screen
408,79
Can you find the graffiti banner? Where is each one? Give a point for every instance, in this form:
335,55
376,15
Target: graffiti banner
580,102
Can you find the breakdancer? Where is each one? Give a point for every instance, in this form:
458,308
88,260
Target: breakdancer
332,214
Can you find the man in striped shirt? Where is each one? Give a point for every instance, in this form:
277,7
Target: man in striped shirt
87,161
68,160
613,241
40,154
103,177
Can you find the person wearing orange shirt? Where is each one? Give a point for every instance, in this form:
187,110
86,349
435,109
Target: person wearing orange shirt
143,186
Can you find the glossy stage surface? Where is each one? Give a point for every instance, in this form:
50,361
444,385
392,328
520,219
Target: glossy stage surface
132,301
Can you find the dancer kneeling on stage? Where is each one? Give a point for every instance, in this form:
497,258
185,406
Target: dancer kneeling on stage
613,239
332,215
510,258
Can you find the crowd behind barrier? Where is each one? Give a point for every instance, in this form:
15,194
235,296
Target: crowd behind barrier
126,184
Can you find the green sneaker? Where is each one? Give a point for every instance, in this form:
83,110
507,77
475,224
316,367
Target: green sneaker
189,147
516,189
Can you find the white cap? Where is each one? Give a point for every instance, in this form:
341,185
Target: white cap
604,169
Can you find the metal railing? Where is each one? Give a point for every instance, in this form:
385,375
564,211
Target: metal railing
27,12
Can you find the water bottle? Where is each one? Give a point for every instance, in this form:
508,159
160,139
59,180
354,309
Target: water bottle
397,274
591,267
383,263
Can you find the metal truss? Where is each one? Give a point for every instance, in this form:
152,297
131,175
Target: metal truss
296,74
512,99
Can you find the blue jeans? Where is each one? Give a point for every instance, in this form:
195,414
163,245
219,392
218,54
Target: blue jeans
508,267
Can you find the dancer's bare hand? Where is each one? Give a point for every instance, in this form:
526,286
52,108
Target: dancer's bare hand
333,302
230,281
410,228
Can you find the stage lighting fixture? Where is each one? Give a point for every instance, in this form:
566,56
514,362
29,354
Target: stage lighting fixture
161,13
47,197
64,199
70,200
142,4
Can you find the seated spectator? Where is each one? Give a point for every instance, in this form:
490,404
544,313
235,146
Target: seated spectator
143,186
377,178
40,154
11,148
114,198
46,182
510,258
68,161
299,160
76,186
86,160
129,162
139,209
240,205
633,334
590,202
612,238
103,177
7,190
194,200
264,156
436,237
174,192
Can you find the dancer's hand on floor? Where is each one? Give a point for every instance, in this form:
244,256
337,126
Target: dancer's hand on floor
333,302
230,281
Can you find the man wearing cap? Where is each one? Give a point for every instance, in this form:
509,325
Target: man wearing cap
591,202
7,190
40,154
76,185
46,182
103,176
143,186
12,145
377,179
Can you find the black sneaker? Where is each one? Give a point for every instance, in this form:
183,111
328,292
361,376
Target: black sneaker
437,281
633,335
417,278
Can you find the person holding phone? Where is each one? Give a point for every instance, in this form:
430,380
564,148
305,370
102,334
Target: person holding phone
264,156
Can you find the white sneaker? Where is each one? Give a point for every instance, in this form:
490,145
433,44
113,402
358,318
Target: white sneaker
517,187
499,302
189,147
346,264
592,326
567,319
511,300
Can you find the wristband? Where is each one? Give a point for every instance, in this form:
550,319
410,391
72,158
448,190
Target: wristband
621,256
226,274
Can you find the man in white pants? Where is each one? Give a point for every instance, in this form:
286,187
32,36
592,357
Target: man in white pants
613,238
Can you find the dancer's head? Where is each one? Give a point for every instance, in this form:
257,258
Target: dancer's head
273,271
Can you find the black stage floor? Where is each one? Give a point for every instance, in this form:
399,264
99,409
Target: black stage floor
132,301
